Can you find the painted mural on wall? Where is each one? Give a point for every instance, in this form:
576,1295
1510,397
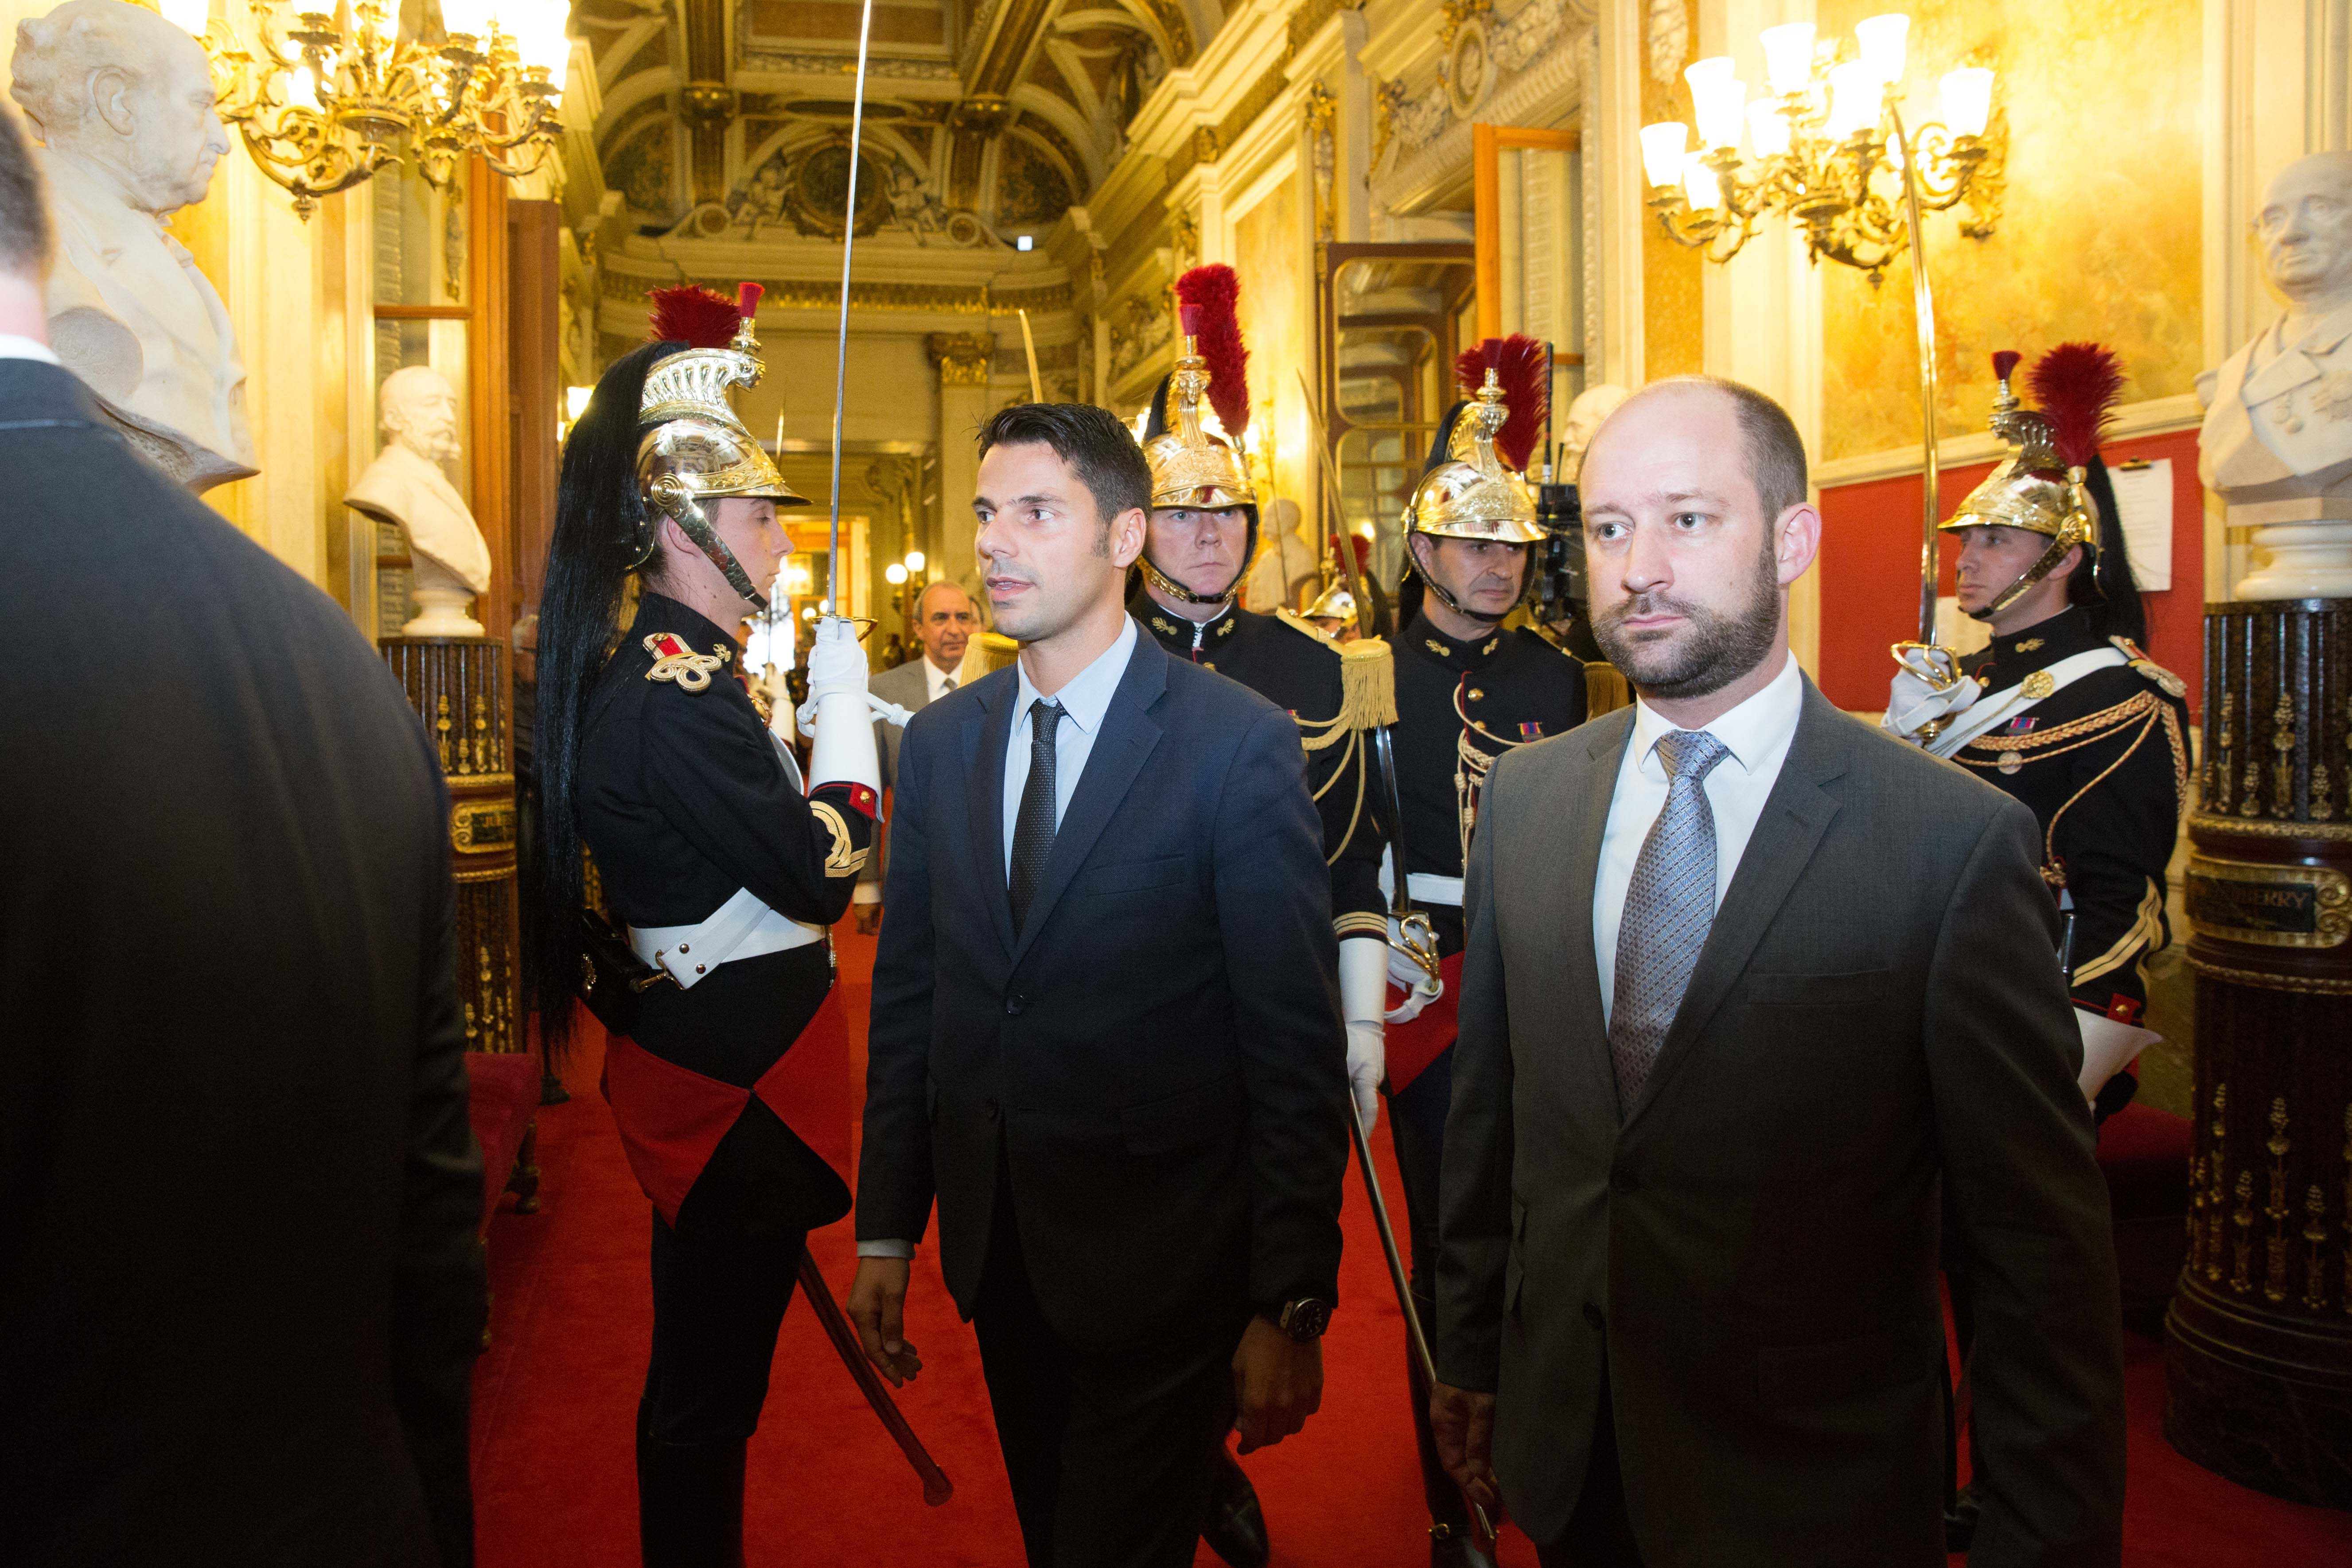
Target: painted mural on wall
2099,237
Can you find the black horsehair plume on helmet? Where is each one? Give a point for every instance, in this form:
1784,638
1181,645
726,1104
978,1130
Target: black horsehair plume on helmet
2077,385
597,515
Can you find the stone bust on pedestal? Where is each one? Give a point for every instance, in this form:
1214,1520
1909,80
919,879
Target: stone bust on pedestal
2277,441
1586,410
123,102
405,486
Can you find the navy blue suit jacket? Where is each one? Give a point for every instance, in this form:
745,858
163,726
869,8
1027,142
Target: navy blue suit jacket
1157,1057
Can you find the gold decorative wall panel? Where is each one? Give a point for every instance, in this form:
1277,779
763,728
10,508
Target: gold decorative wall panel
1269,242
1673,338
2099,235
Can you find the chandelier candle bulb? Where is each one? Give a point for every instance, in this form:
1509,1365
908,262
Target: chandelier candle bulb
474,19
894,574
1857,99
302,89
1881,40
915,561
1767,129
1701,189
1787,58
1664,146
1718,100
1967,99
188,16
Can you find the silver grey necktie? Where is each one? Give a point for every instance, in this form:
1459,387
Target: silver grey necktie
947,684
1669,906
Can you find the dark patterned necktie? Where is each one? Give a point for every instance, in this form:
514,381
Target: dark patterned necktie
1669,908
1033,827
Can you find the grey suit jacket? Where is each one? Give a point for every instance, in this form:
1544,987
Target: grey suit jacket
907,686
1745,1261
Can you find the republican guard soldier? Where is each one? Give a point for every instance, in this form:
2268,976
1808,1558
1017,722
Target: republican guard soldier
1202,537
1467,690
721,870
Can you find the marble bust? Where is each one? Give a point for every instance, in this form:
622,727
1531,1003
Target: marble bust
2277,441
122,100
407,486
1285,562
1585,413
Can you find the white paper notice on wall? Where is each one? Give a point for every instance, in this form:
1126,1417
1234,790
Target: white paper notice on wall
2144,505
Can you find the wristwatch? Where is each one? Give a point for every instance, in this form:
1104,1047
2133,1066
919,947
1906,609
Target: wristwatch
1303,1319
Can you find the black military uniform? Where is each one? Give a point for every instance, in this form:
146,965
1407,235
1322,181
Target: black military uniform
1296,669
2103,764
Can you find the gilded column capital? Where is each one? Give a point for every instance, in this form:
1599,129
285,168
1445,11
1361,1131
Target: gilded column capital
962,358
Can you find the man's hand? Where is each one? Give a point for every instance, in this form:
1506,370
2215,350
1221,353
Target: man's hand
1464,1424
877,1305
1277,1384
869,919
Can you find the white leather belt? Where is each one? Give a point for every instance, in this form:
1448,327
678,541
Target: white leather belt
1429,887
742,927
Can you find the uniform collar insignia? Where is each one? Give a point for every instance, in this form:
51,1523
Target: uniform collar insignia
2029,645
1166,629
1492,644
1225,625
1439,648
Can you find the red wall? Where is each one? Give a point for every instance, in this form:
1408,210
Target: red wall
1869,571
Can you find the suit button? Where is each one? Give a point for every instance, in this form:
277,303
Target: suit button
1014,1003
1592,1316
1625,1182
988,1109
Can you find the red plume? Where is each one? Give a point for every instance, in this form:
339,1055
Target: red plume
2003,363
1211,292
695,317
1518,363
2075,385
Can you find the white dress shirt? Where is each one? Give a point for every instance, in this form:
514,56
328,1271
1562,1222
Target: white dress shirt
1756,735
937,682
1084,700
15,347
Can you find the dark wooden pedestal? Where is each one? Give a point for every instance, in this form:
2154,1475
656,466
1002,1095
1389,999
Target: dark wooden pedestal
460,687
2258,1352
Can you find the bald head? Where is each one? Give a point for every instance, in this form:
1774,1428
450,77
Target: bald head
1773,453
2306,229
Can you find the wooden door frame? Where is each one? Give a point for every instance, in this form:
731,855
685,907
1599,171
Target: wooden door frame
1487,143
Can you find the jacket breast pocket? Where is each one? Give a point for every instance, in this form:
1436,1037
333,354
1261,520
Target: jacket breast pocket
1854,988
1130,875
1181,1120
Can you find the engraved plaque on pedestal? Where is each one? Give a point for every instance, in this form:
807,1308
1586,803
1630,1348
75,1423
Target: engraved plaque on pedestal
2258,1353
459,685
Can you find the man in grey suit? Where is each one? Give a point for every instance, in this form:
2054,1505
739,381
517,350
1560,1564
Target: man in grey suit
1750,994
945,624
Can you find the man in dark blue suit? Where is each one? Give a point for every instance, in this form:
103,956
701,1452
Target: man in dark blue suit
1106,1031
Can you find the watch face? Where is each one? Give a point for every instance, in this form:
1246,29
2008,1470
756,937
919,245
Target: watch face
1308,1319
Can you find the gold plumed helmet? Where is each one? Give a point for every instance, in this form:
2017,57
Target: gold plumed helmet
1188,465
1190,468
694,446
1471,495
2041,487
1335,603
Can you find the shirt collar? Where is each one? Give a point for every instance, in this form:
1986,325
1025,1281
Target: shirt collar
933,675
1452,652
1750,733
15,347
1087,697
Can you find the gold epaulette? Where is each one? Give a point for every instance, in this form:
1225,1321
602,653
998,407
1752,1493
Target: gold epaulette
1366,678
676,662
998,651
2163,680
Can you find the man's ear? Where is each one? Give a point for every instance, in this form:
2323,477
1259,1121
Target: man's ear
109,96
1796,541
2068,565
1127,536
1418,545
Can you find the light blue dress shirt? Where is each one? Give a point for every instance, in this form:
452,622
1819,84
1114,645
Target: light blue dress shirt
1084,702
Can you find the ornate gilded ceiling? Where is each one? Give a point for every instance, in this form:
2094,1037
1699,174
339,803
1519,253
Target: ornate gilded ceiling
985,120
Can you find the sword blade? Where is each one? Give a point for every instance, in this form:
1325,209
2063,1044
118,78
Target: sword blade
833,604
936,1488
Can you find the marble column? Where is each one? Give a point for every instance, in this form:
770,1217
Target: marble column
962,359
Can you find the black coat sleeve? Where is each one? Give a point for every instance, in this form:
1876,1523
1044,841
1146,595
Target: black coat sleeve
894,1181
2028,1211
713,772
1475,1180
2114,842
1352,838
439,1300
1273,911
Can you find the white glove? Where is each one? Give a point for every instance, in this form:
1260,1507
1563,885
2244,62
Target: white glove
2109,1046
1927,687
836,714
1364,996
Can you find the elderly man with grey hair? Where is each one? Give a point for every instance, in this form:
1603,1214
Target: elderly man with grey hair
944,621
405,486
123,102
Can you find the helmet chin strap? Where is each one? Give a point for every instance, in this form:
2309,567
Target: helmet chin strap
1169,586
688,513
2033,575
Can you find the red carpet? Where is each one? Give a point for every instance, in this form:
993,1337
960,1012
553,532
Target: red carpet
555,1395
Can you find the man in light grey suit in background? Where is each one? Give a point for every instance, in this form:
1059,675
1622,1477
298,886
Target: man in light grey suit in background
945,622
1751,992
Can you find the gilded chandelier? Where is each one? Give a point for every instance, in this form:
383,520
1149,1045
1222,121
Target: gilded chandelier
1828,149
325,98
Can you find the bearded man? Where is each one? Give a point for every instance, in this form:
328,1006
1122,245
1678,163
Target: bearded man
1747,986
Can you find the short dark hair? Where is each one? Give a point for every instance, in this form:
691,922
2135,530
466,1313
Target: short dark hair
1776,453
1090,439
26,237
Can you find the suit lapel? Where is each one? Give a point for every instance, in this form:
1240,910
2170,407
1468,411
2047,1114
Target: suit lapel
1128,738
1590,789
984,738
1795,815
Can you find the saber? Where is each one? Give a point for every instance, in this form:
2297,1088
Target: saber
1403,1288
841,338
936,1488
1029,344
1339,519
